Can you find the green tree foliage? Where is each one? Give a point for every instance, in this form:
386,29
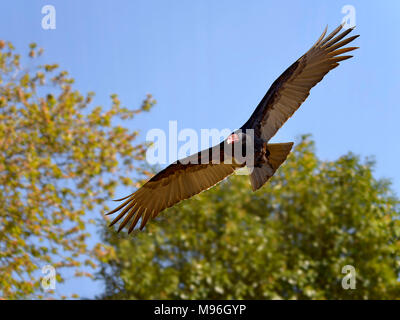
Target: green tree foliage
288,240
59,158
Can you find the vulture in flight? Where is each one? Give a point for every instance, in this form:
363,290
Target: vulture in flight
186,177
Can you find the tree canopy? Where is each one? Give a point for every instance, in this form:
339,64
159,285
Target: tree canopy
289,240
60,159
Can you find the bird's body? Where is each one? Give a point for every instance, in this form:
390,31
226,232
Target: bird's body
247,146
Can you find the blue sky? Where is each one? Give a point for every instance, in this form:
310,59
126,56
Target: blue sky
208,64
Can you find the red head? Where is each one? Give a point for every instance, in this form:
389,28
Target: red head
233,138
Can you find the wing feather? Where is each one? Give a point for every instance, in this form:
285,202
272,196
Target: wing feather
171,185
290,90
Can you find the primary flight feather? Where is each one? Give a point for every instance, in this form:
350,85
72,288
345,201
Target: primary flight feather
201,171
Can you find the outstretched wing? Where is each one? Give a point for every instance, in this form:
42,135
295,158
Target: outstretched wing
289,91
177,182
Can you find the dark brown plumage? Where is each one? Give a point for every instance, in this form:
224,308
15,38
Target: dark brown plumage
182,180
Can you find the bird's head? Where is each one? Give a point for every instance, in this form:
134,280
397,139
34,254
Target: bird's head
241,145
234,137
239,137
237,145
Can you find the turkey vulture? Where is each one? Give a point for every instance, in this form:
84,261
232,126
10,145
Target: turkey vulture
186,177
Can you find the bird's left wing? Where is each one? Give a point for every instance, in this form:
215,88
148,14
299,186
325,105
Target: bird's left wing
176,182
290,90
